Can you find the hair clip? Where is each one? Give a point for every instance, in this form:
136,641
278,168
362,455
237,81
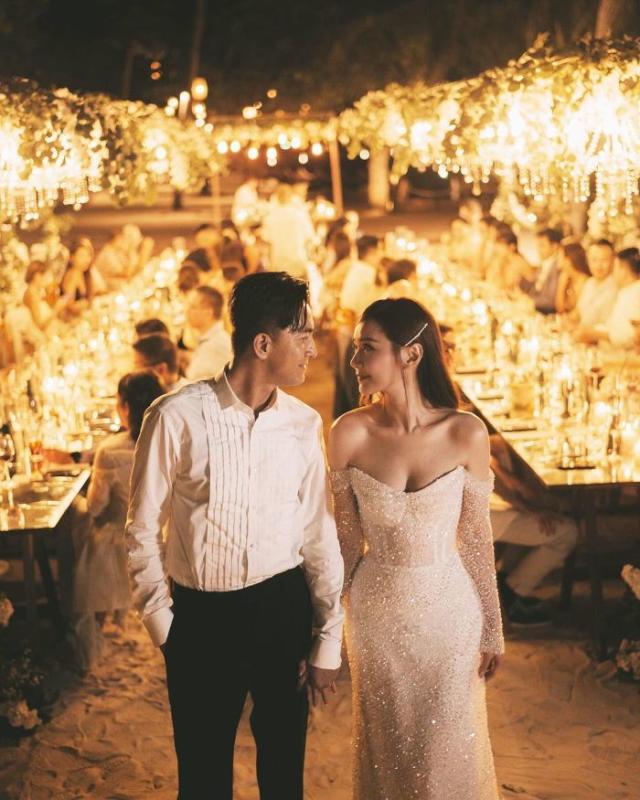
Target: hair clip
413,338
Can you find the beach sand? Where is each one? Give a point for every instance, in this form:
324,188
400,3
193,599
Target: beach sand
563,728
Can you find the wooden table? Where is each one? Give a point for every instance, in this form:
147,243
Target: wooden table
585,489
43,504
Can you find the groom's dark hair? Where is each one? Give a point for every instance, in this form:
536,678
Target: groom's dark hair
266,302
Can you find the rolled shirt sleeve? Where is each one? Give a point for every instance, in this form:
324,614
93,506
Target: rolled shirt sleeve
322,560
152,478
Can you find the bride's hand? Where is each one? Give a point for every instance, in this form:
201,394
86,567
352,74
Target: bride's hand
489,663
321,681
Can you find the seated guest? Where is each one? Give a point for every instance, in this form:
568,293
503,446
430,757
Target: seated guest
152,325
209,272
80,282
509,267
101,581
213,350
157,352
188,278
401,279
138,247
198,259
599,292
360,281
544,288
114,262
208,238
574,274
38,278
618,328
522,515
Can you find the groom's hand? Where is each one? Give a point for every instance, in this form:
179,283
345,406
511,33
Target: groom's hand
321,681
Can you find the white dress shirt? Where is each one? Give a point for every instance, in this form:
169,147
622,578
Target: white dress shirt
245,499
626,308
289,231
596,301
358,288
212,352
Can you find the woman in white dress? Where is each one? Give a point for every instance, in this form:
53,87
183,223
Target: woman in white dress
411,481
101,580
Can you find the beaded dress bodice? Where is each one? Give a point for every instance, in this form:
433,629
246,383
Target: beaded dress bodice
409,529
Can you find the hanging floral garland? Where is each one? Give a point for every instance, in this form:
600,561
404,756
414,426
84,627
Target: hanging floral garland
562,122
57,145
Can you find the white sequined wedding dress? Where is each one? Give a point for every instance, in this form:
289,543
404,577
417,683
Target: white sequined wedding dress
422,605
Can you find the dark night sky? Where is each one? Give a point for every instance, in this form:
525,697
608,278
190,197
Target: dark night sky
326,52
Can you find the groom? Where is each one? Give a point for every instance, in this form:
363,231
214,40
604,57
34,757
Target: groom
244,597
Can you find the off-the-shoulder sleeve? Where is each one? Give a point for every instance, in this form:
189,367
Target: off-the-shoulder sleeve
348,523
475,544
102,478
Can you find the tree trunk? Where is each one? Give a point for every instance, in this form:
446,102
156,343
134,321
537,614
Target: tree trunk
608,18
378,188
127,69
196,40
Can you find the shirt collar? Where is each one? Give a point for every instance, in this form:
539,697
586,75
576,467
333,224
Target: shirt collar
228,398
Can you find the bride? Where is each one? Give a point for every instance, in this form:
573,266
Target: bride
411,483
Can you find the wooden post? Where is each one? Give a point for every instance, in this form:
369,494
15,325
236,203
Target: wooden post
608,18
336,176
378,188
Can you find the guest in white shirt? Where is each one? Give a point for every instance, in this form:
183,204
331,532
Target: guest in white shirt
544,287
204,315
599,292
288,230
245,202
236,467
359,284
619,329
156,351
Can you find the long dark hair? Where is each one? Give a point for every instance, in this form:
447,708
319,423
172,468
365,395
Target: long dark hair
138,390
400,321
74,246
631,257
577,256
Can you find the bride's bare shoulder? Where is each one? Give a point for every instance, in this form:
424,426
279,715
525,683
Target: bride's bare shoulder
347,434
467,426
470,436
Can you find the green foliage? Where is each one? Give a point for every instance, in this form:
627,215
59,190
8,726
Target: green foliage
80,142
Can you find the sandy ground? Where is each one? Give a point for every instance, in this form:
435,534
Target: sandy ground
563,727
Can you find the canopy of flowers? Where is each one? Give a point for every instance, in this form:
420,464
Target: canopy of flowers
557,121
57,145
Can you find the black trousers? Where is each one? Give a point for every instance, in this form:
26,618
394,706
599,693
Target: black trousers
222,645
